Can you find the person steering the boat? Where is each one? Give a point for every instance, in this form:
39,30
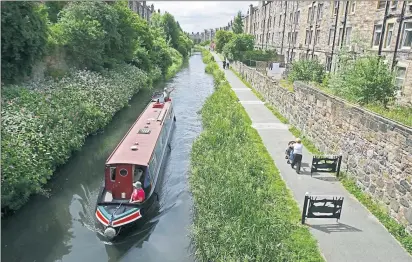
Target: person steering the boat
138,194
166,93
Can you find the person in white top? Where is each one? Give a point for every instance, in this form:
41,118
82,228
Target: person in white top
297,155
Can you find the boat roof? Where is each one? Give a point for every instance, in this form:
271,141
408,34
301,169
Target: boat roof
151,119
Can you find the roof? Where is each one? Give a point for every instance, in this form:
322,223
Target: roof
123,154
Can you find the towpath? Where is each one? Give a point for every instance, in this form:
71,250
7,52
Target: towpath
358,236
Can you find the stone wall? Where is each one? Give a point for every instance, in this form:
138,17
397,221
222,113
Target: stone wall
376,151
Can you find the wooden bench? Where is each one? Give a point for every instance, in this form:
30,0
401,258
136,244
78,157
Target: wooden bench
326,164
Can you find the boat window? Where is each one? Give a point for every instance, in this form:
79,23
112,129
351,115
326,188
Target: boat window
123,172
113,173
138,172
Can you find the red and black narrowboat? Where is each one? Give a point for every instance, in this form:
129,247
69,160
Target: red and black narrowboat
138,157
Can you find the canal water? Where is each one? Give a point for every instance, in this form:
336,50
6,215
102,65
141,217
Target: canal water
63,227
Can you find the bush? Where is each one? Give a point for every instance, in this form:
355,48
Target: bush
23,38
366,80
307,70
237,190
43,123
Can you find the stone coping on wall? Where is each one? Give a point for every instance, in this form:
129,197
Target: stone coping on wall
380,118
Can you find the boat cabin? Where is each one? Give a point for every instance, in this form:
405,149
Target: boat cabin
119,180
139,155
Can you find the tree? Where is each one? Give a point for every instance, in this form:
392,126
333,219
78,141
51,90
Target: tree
222,38
238,46
23,38
238,24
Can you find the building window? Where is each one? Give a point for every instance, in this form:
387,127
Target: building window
381,4
348,35
389,35
309,14
377,35
400,77
306,37
310,36
328,63
288,37
335,7
280,19
291,18
352,7
297,17
407,35
320,12
394,4
313,14
317,37
331,33
339,36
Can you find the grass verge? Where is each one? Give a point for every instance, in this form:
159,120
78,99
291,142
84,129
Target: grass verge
396,229
243,209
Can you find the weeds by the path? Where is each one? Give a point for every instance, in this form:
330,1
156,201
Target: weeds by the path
243,209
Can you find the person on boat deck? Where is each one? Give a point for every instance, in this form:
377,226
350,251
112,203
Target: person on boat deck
138,194
166,93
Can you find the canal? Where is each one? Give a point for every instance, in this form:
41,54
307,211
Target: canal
62,227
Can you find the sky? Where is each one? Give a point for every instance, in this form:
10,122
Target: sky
195,16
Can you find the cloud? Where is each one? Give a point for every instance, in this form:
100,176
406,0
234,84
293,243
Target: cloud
195,16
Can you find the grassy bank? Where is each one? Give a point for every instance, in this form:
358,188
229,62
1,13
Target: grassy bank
397,230
243,210
44,122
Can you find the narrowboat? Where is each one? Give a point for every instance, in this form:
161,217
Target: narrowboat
138,157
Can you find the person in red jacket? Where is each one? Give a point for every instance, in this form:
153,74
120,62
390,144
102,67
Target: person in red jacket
138,194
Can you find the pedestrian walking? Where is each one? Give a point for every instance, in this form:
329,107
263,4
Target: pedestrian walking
224,64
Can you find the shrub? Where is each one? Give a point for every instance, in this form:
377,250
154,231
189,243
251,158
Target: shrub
23,38
44,122
364,81
232,174
307,70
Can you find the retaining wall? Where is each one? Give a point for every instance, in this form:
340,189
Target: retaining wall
376,151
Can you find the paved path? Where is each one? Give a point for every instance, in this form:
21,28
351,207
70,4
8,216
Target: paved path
358,236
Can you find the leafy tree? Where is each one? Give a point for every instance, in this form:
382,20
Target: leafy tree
222,38
237,47
238,24
53,9
23,38
88,30
171,29
134,32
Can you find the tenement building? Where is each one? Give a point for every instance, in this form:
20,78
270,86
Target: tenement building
320,29
140,8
